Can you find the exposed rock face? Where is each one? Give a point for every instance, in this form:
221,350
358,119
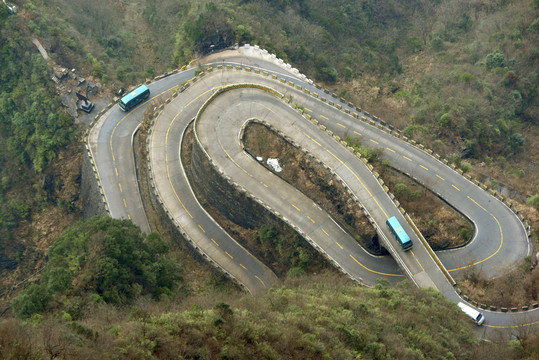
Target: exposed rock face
237,207
68,84
92,201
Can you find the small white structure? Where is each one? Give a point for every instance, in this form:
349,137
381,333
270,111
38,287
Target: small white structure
274,163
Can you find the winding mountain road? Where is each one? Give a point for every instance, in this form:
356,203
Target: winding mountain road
250,85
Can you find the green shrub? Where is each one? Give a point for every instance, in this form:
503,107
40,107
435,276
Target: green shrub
465,167
533,201
495,60
437,44
401,190
329,74
445,120
465,233
466,77
33,300
414,44
107,259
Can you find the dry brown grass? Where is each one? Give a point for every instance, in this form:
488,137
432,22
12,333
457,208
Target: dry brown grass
314,181
518,288
440,224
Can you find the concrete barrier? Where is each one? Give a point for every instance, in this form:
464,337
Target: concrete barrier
431,252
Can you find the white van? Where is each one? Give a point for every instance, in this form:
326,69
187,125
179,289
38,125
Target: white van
476,316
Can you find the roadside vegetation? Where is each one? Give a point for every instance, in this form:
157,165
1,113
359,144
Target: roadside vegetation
440,224
39,159
314,181
459,77
519,287
110,292
100,260
269,239
310,317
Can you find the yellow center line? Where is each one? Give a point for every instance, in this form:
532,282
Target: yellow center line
215,242
120,185
415,257
511,326
125,204
355,132
361,182
373,271
324,117
424,167
499,247
475,202
439,177
455,187
407,158
390,149
129,216
374,141
129,113
325,232
295,207
316,142
339,245
232,257
264,185
307,109
116,169
230,157
341,125
166,144
201,228
259,279
311,219
243,266
173,188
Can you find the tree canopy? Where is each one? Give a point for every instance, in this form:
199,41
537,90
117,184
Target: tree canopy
101,259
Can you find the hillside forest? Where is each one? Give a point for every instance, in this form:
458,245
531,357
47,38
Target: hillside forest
458,75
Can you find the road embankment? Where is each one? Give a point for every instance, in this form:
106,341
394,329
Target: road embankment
92,198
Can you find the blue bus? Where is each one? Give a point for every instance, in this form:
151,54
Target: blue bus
134,98
399,233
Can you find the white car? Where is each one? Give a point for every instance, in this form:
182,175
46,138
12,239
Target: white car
476,316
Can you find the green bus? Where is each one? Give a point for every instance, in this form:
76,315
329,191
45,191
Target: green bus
134,98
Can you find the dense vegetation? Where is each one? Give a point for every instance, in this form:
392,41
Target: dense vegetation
464,72
459,76
33,126
313,317
109,292
100,260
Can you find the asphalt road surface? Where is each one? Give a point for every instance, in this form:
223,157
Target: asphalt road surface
499,243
